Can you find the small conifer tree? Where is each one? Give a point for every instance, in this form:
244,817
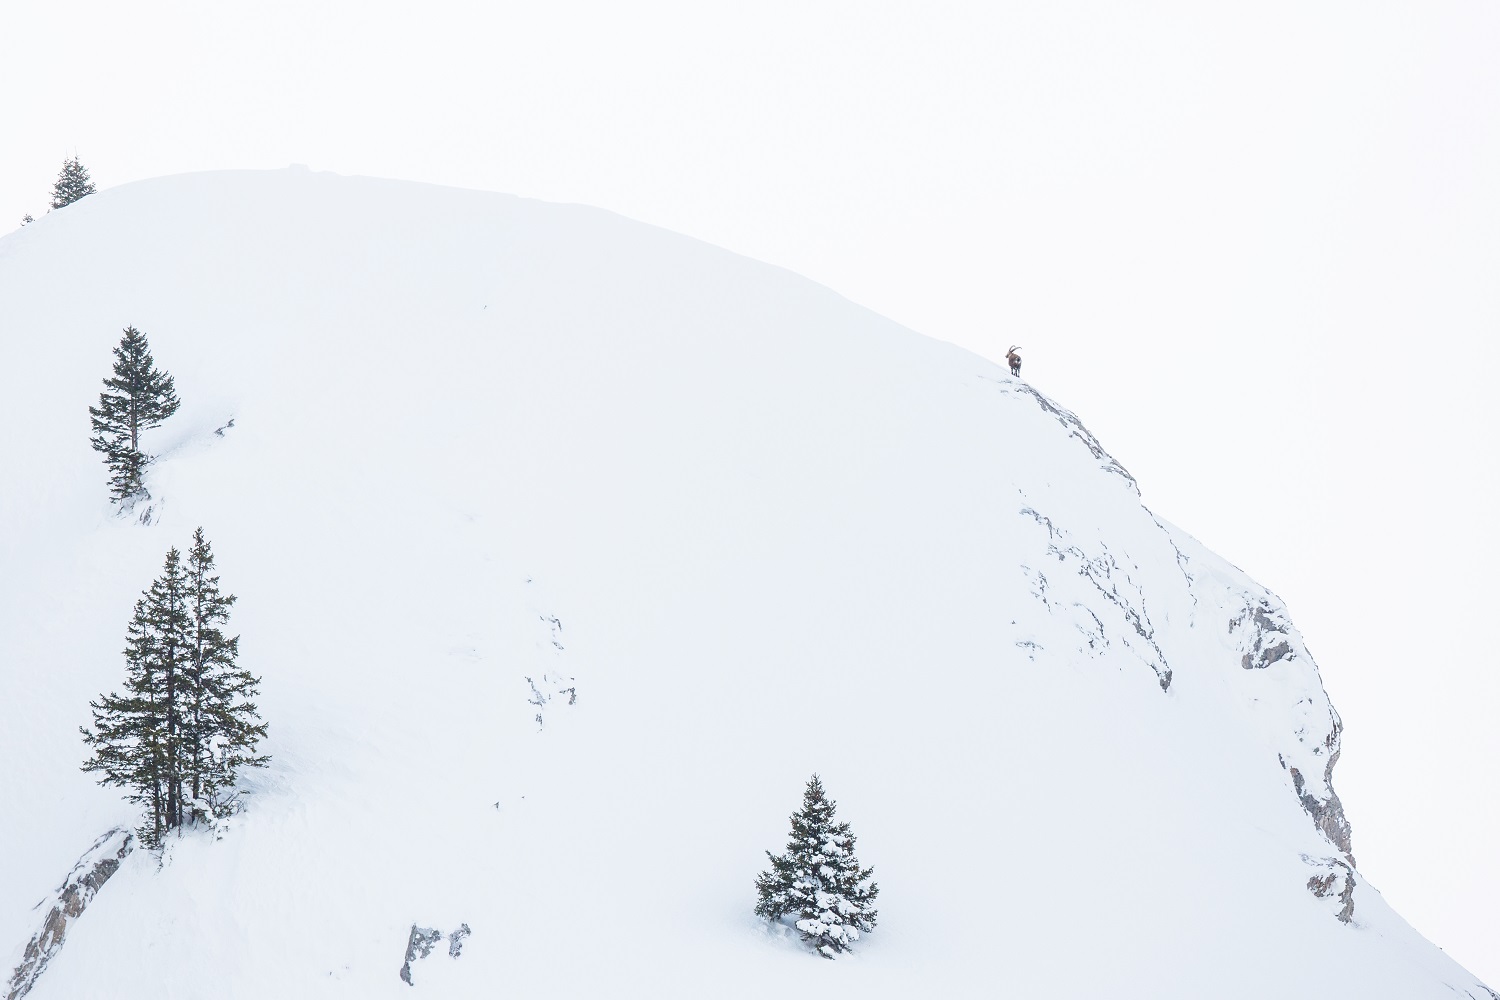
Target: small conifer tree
818,881
138,398
72,183
184,725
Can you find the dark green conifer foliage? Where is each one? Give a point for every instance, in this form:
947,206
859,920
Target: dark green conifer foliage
127,474
818,880
225,722
138,398
184,725
138,736
124,750
72,183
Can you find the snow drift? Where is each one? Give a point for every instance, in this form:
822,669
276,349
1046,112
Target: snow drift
567,549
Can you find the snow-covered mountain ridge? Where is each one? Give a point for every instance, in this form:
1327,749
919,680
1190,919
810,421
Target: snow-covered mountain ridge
567,549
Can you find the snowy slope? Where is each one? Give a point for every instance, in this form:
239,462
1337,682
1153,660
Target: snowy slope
567,549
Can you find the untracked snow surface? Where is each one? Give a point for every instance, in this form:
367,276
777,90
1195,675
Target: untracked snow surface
567,549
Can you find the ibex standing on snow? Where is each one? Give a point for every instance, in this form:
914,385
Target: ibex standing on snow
1014,359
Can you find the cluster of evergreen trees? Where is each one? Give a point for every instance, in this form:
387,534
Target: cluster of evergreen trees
138,398
72,183
186,722
818,882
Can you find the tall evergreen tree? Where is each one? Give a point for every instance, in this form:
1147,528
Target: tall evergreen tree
184,725
138,398
125,749
818,880
138,736
224,720
72,183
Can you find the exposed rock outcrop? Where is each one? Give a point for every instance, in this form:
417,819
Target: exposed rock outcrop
1277,678
1266,630
77,891
423,940
1326,811
1334,879
1264,635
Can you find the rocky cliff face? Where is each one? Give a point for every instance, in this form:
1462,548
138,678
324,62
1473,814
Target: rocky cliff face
1277,679
1102,595
1108,599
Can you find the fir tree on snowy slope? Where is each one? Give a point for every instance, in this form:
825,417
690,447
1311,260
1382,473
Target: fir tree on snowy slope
138,398
72,183
818,880
186,723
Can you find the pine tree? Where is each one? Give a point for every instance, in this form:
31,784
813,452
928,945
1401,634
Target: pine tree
818,880
72,183
138,398
125,749
184,725
225,722
138,736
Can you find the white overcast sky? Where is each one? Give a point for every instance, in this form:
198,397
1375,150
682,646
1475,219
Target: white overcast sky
1255,245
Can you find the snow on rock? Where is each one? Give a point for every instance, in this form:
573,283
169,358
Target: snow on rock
1075,429
421,942
1278,682
88,876
463,456
1082,581
1335,879
552,684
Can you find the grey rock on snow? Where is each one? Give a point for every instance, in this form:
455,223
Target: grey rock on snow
88,876
423,940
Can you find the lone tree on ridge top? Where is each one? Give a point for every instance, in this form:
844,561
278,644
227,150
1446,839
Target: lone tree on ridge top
72,183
